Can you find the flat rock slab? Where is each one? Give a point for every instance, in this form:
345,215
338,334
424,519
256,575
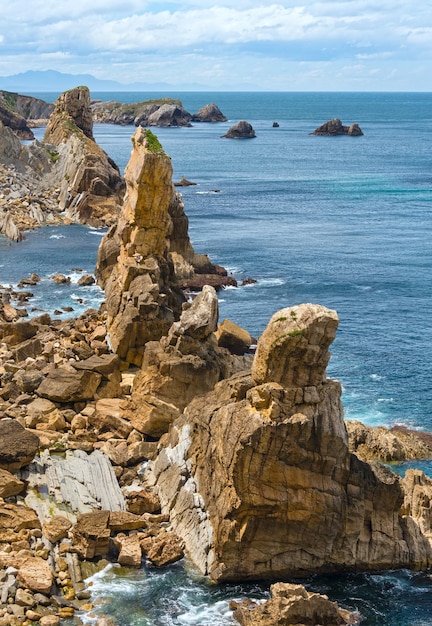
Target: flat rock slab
73,483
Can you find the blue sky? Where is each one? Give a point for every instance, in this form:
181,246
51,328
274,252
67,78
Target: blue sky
341,45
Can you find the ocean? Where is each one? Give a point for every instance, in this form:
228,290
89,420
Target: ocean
340,221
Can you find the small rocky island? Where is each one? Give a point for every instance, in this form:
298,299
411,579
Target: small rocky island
250,471
240,130
335,127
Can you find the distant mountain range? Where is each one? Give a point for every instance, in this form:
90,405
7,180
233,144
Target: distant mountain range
53,81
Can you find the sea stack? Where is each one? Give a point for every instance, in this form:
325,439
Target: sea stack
258,479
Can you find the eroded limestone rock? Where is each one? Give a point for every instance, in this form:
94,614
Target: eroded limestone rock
91,187
146,261
181,366
258,479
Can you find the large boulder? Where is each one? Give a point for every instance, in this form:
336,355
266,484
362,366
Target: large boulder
66,384
258,479
14,517
18,446
10,485
35,574
231,336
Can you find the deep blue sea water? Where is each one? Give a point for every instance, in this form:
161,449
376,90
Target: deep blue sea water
340,221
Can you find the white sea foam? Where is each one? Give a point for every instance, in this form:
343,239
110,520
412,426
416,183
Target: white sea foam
230,287
57,237
271,282
217,614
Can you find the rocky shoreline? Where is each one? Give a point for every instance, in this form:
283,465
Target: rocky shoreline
149,430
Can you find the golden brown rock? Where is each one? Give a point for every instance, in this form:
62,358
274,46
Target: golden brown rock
57,528
383,444
9,484
17,445
258,479
292,605
36,575
139,304
129,548
231,336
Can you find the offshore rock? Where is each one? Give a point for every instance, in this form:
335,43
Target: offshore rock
292,605
241,130
209,113
258,479
91,187
167,115
159,112
335,127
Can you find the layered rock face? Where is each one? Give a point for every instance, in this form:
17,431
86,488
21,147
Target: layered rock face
140,305
258,479
147,259
91,187
27,196
33,110
14,121
181,366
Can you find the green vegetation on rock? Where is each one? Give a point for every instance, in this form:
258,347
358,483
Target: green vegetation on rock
153,144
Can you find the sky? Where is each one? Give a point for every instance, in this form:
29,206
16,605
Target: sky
341,45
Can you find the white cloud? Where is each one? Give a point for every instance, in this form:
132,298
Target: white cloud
218,41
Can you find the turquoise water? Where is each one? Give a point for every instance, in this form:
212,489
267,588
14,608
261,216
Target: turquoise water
344,222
